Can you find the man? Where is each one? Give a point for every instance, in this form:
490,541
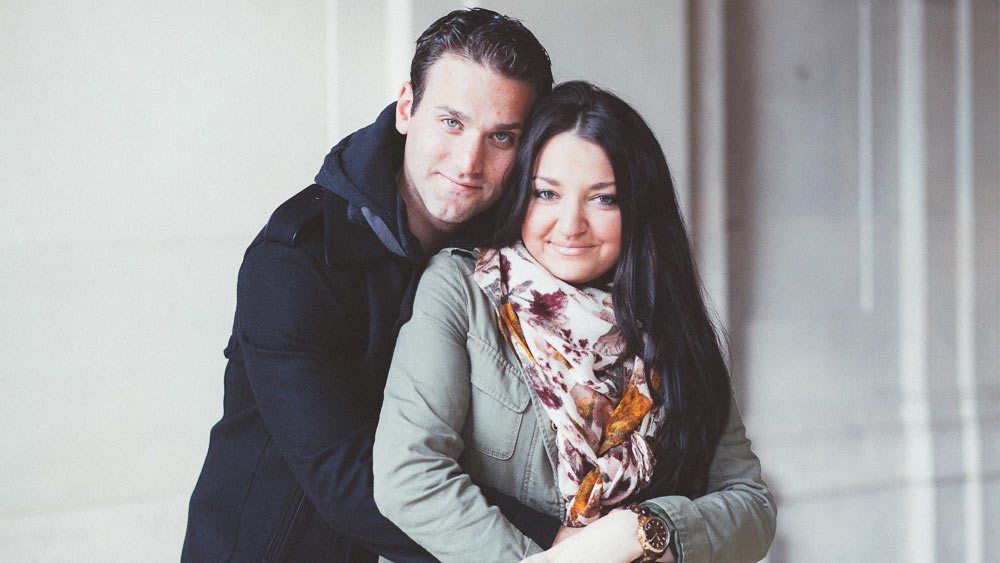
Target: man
324,288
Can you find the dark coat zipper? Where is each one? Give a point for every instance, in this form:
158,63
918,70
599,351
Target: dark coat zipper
280,537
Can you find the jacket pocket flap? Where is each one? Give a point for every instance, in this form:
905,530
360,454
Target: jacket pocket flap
492,374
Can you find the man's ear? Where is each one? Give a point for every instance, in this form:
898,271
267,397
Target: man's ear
404,107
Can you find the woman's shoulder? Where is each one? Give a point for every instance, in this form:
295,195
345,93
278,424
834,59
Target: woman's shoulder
448,274
448,287
456,254
450,262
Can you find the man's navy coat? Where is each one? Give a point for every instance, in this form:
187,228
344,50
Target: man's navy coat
321,295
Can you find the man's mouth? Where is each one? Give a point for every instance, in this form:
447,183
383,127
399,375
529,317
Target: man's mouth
461,185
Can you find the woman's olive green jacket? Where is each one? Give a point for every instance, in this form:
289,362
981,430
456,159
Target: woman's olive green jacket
459,412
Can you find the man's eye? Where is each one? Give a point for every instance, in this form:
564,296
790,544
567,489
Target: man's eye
504,137
450,122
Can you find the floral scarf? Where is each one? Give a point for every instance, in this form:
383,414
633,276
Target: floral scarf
568,343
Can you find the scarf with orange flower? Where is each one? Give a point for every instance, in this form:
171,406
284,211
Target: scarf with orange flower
600,402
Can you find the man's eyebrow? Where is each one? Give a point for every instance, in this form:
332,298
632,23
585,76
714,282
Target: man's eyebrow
465,118
453,112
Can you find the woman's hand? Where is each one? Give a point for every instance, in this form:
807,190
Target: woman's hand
610,539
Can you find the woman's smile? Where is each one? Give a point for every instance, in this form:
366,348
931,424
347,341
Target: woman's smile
573,226
571,248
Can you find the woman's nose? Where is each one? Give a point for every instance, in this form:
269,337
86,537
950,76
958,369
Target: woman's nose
572,221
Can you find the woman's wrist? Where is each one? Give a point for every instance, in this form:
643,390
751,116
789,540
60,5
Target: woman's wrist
654,532
672,545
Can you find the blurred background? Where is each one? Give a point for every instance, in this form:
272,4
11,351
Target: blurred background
837,163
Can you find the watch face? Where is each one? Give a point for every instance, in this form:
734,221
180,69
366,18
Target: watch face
656,533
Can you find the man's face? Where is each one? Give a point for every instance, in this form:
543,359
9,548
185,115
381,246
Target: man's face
460,141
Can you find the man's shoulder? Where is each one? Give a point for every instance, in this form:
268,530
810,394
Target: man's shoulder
312,243
319,222
299,216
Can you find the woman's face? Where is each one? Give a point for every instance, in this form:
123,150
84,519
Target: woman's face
573,226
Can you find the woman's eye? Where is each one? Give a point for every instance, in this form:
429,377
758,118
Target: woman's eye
606,199
545,194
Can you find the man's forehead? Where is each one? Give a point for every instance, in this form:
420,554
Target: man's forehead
476,94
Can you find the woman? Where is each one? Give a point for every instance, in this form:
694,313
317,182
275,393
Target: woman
572,364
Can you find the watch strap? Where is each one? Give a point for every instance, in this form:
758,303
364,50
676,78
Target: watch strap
674,545
653,533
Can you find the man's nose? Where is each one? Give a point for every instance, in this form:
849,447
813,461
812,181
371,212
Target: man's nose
469,154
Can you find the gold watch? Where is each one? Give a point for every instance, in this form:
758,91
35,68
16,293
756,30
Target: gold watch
653,533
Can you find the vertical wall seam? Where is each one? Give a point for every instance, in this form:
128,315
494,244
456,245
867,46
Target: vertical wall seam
866,211
965,285
683,180
913,289
399,46
333,132
707,131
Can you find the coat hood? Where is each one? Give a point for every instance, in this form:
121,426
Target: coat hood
362,170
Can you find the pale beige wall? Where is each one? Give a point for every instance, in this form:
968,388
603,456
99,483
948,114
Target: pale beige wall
863,197
142,145
843,192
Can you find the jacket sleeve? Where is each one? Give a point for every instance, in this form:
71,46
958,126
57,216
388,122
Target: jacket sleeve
294,332
735,520
419,484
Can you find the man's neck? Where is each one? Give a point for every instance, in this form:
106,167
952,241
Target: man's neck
431,239
431,234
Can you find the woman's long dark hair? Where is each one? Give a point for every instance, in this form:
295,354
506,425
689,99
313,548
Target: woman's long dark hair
657,296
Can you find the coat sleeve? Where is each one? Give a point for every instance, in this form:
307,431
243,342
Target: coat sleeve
419,484
294,334
735,520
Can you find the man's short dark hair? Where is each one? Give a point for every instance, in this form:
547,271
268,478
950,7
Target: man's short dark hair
485,37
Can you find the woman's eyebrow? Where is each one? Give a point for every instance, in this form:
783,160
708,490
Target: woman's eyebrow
554,182
602,185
